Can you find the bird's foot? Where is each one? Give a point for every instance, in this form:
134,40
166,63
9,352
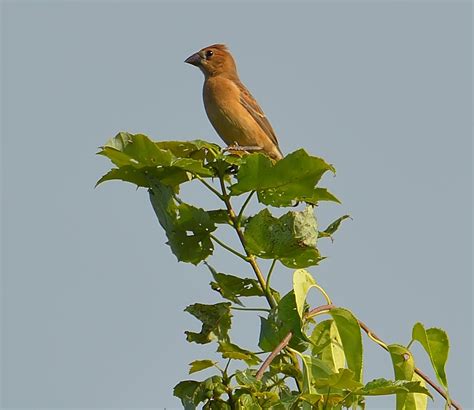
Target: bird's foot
249,148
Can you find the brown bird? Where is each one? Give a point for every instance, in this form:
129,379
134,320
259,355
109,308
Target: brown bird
233,112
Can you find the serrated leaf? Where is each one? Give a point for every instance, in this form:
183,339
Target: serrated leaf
198,365
232,351
293,178
351,339
436,344
216,322
291,238
187,228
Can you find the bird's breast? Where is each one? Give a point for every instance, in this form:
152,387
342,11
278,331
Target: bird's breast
226,113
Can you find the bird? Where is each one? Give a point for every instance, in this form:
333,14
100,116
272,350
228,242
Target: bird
230,107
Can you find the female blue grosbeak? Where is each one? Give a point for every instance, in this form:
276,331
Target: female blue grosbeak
233,112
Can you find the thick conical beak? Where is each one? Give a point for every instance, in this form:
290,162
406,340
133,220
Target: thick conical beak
195,59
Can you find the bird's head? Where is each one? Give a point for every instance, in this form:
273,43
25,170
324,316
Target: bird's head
214,60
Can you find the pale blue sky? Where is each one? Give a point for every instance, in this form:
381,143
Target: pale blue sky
92,299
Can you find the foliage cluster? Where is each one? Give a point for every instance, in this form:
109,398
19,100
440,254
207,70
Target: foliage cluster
314,357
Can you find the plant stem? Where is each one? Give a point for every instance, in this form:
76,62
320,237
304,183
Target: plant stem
250,257
230,249
269,275
250,309
209,186
241,213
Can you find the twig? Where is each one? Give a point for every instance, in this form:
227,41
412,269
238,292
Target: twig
244,205
250,309
372,336
273,354
227,247
250,257
208,186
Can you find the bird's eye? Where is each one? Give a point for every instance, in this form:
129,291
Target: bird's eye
209,54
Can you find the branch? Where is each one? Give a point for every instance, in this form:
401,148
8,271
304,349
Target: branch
273,354
371,335
250,257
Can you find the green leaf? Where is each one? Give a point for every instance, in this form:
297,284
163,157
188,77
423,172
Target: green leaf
212,387
248,380
314,399
321,194
185,391
281,320
332,228
232,287
416,401
351,338
279,184
216,322
404,366
136,150
290,238
197,149
278,366
247,402
188,228
327,344
302,283
194,166
343,379
313,369
141,176
436,344
381,387
232,351
219,216
198,365
403,363
287,401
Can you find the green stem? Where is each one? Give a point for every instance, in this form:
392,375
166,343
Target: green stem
226,367
267,290
250,257
230,249
250,309
209,186
244,205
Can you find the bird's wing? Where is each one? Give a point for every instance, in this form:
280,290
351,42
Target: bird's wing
256,112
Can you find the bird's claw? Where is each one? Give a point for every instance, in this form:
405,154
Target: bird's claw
243,148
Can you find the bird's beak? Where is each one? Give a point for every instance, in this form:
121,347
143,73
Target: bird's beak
195,59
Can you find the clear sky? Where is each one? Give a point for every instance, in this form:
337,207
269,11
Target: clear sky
92,298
